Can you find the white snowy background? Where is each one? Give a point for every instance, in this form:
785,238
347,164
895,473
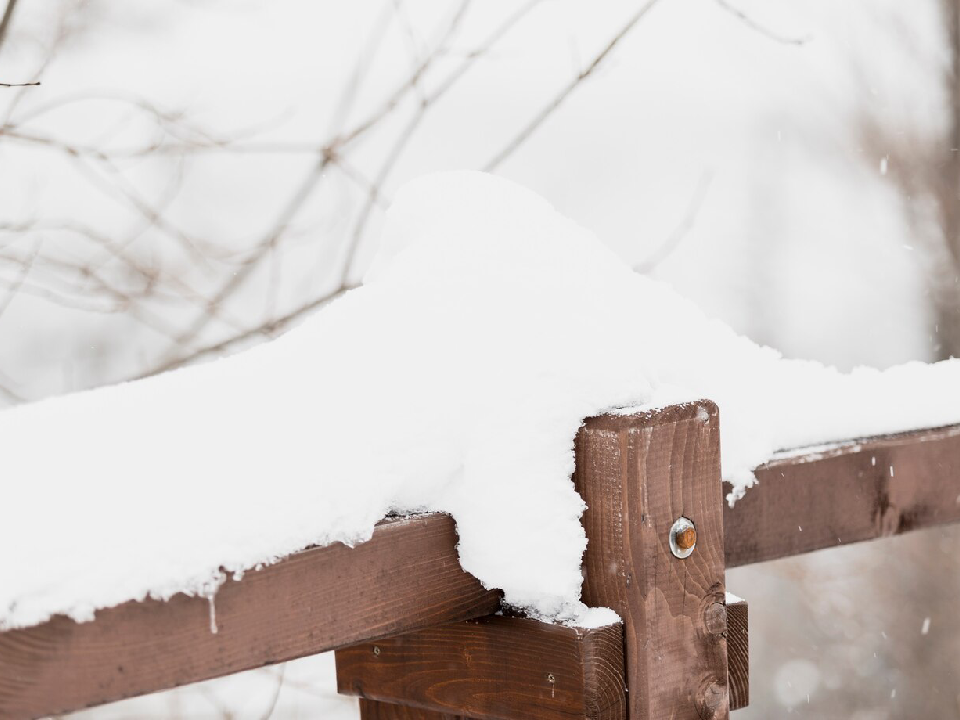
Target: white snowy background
751,154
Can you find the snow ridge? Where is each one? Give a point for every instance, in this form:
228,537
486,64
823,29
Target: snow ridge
454,379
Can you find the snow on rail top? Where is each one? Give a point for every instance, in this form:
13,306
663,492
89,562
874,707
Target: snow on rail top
488,327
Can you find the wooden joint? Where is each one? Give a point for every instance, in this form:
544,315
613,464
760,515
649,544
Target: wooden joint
642,477
310,602
503,668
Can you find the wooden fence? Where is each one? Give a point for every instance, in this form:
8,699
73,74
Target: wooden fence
418,638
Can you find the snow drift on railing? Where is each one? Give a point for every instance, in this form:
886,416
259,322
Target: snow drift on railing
455,379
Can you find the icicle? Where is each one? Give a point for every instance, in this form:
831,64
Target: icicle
209,591
213,613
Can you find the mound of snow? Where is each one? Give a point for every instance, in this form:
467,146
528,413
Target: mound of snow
455,379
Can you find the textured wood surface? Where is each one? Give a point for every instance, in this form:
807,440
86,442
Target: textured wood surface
375,710
405,578
738,654
859,491
638,474
504,668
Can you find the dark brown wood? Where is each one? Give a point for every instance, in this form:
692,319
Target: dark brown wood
504,668
406,577
849,493
375,710
638,474
738,654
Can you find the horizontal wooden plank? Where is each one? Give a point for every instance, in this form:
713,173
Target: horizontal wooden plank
857,491
738,654
376,710
406,577
503,668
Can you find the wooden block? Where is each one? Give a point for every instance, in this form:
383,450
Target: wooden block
851,492
408,576
638,474
497,667
738,654
375,710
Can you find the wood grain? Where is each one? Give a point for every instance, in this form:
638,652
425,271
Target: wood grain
406,577
738,654
638,474
504,668
872,488
375,710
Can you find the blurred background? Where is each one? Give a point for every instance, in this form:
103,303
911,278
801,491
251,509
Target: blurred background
192,177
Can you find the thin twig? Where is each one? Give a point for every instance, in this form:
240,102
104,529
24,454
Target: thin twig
374,198
303,193
683,227
409,85
26,84
11,395
122,190
5,26
552,106
276,694
352,87
407,133
63,32
25,269
267,329
374,193
757,27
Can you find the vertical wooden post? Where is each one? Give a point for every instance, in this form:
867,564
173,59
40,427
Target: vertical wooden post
638,474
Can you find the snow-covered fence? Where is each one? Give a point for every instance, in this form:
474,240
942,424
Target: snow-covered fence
418,638
850,492
406,577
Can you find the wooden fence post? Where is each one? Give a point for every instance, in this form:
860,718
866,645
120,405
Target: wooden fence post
638,474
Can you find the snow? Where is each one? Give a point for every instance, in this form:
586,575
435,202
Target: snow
454,379
590,618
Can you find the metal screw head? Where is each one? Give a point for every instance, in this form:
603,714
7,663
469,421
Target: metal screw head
551,678
683,537
376,649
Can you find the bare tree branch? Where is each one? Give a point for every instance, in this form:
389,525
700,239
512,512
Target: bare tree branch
407,133
757,27
552,106
276,694
683,227
124,191
373,191
5,24
395,98
267,329
120,277
330,157
11,395
18,283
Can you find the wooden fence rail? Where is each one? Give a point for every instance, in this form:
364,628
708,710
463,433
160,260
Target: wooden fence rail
407,577
494,668
683,654
876,487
